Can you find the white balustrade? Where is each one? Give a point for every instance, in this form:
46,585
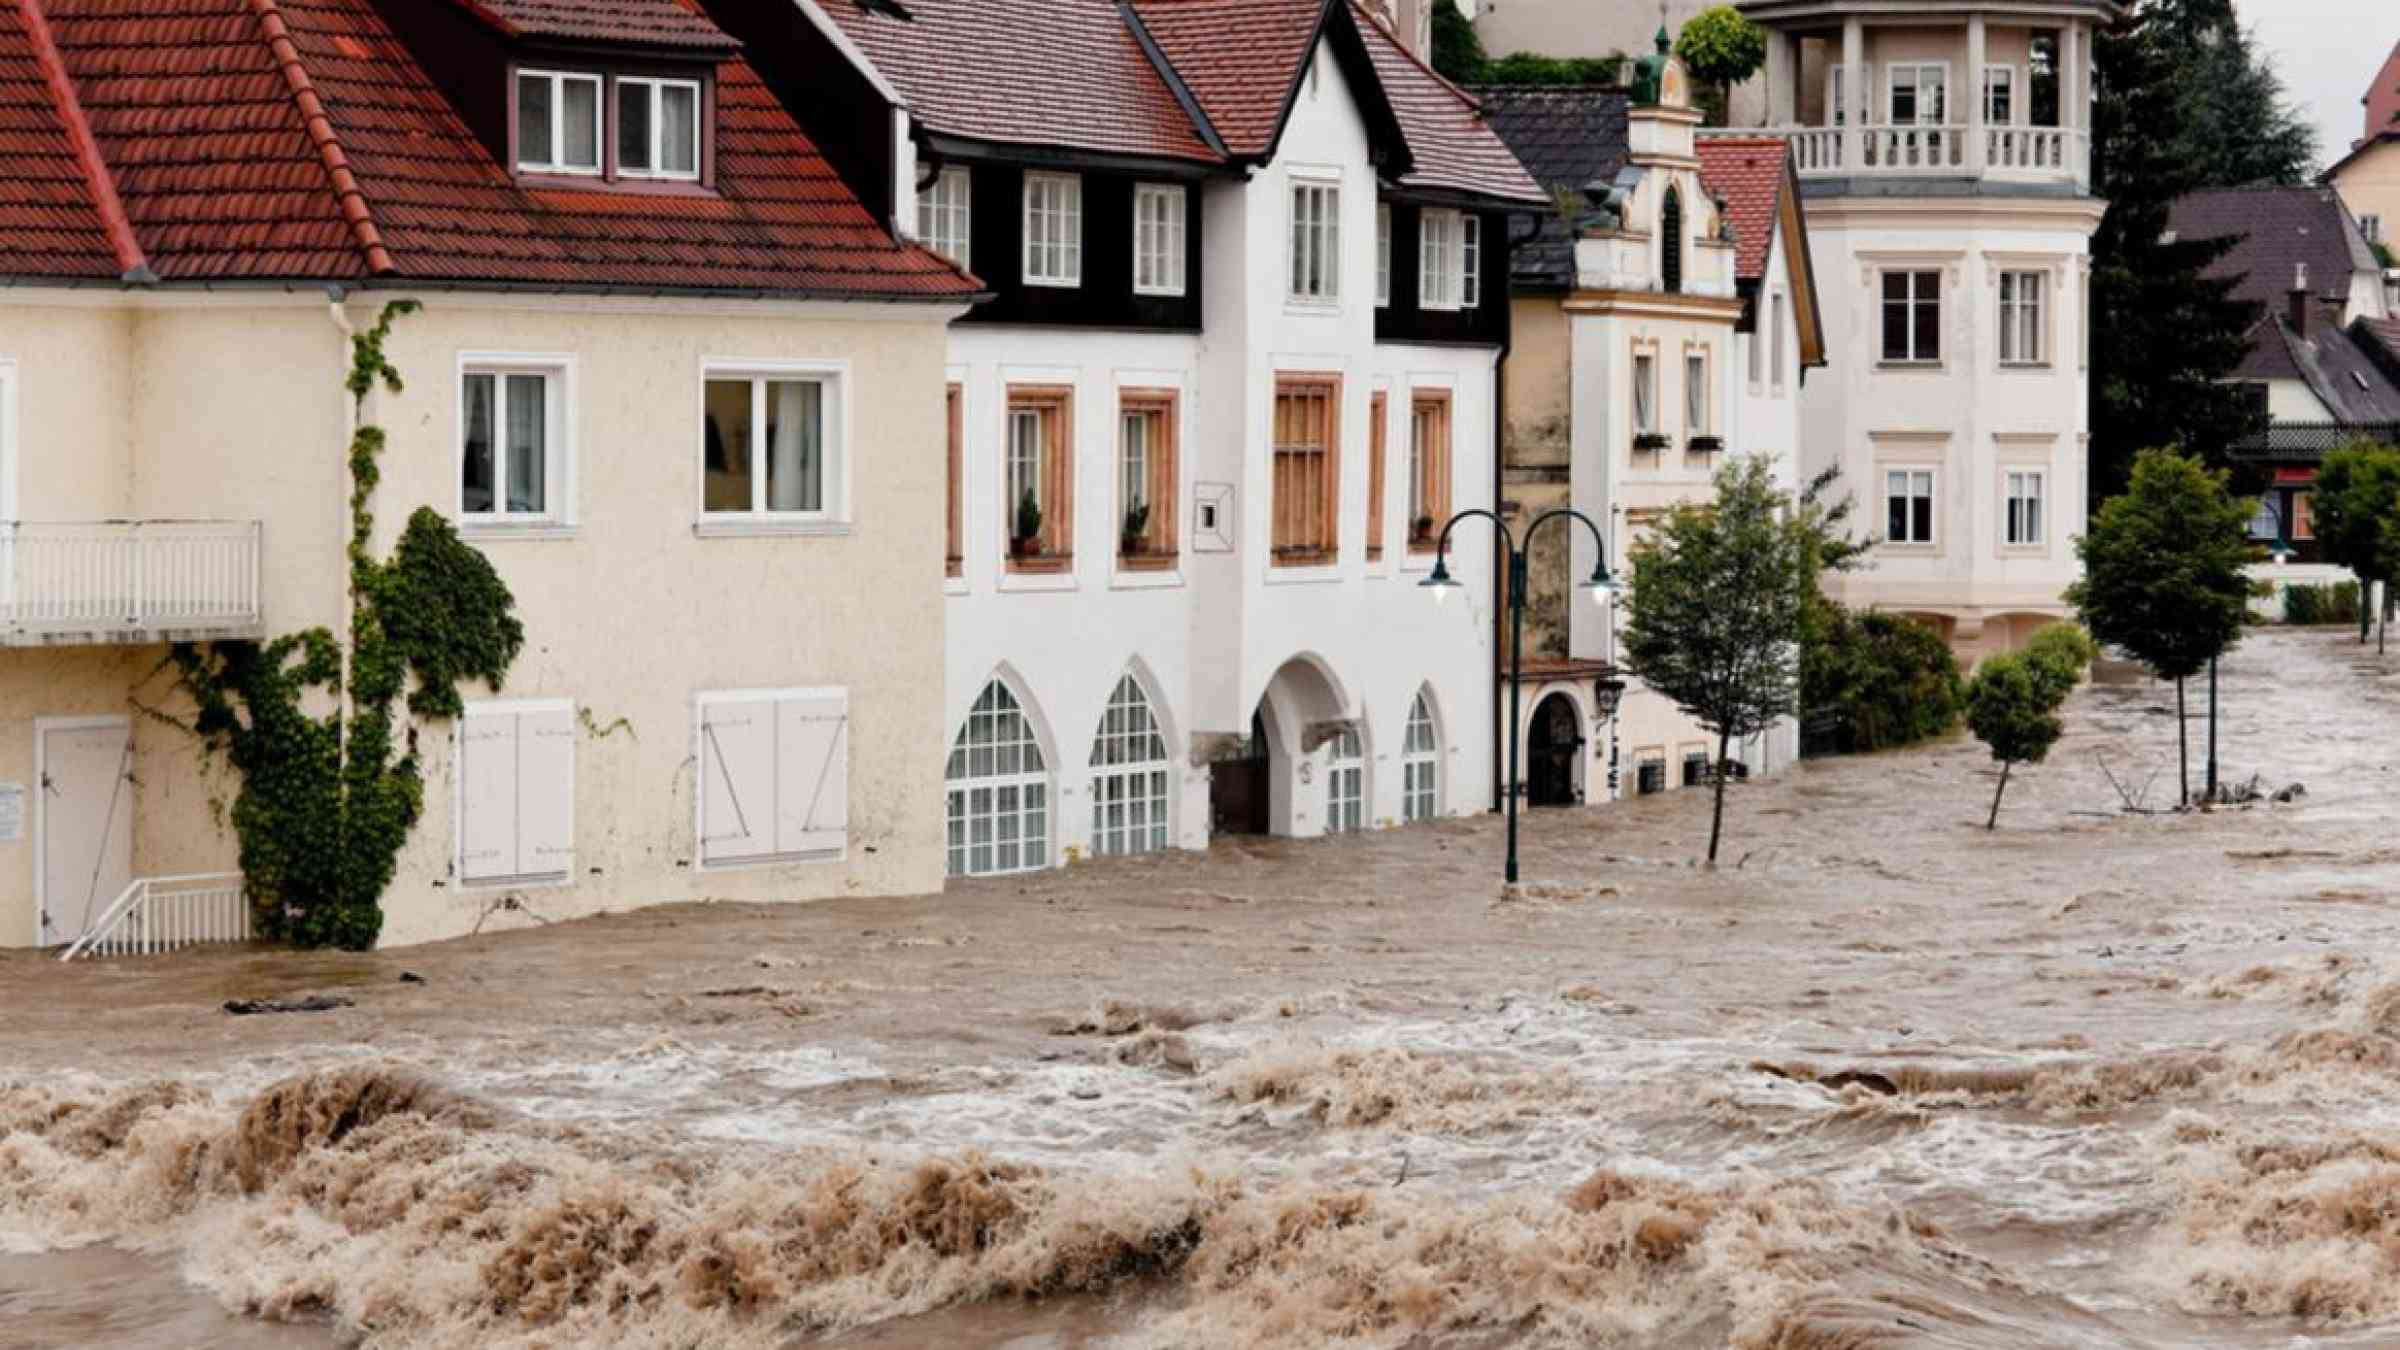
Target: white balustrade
162,914
129,577
2026,154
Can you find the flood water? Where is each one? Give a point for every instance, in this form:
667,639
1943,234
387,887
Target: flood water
1881,1079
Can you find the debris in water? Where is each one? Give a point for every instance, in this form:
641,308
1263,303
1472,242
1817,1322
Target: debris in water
245,1007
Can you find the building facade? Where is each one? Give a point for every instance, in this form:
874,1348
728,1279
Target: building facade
668,377
1248,262
1943,149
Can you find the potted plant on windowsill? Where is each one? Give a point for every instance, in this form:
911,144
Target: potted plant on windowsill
1027,541
1702,445
1420,532
1134,540
1649,441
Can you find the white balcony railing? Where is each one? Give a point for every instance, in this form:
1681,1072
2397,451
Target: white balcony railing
128,580
163,914
2022,154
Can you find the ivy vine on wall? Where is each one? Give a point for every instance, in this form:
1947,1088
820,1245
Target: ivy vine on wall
327,798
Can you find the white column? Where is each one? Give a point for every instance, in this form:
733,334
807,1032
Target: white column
1854,86
1972,87
1783,76
2072,114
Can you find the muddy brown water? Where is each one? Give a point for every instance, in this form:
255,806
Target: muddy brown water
1881,1079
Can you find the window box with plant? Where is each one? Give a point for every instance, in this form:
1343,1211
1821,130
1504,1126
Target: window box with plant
1645,442
1025,538
1705,445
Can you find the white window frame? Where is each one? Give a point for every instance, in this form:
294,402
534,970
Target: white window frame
1441,248
2038,479
1421,766
775,699
1122,782
1916,70
1932,494
558,438
961,743
1313,268
655,87
1775,366
2371,225
522,881
2014,85
1645,392
1383,255
1698,393
2024,319
1346,784
558,121
949,200
1067,212
1159,243
1470,261
834,404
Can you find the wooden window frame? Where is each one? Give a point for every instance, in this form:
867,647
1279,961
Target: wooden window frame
1320,508
954,524
1378,433
1429,466
1158,539
1056,402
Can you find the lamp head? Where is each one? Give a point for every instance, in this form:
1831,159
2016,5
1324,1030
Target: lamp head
1602,586
1440,584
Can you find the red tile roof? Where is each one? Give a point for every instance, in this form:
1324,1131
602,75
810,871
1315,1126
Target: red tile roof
299,139
1750,173
1453,145
645,23
51,224
1240,59
1026,72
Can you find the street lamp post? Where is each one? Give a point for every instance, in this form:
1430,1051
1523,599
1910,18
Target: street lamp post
1441,583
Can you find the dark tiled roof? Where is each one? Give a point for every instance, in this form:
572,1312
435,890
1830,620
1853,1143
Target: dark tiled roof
1750,174
2340,366
2279,228
50,221
641,23
1567,137
1449,137
200,109
1240,59
1026,72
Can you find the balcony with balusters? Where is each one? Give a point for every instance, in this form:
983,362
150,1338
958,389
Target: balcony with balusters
129,581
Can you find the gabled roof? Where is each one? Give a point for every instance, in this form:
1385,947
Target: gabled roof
637,23
1240,58
1750,175
301,140
1066,73
2341,370
1451,142
2279,228
51,223
1567,137
2383,95
2359,151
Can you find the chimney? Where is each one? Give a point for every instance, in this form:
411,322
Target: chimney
2297,313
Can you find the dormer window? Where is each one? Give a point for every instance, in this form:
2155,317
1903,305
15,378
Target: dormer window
658,128
558,122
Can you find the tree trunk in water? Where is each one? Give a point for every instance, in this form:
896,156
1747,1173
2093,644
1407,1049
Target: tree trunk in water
1994,822
1716,826
2183,749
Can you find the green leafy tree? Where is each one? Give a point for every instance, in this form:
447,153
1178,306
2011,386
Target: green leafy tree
2059,655
2012,707
1713,617
2163,574
327,799
1457,51
1721,49
2356,512
2233,121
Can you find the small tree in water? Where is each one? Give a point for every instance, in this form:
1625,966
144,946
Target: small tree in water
2162,575
2013,701
1713,619
2356,512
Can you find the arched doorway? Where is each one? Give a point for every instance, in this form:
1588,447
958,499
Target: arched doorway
1274,785
1554,753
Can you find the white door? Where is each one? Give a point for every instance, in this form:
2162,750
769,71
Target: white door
83,815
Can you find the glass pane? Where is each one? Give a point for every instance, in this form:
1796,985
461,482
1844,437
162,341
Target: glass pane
533,119
475,488
728,448
633,127
679,145
528,449
1928,324
580,129
796,435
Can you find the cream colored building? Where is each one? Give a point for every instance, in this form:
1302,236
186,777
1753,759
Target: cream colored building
693,441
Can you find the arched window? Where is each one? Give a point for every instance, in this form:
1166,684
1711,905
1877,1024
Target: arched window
1421,764
1130,773
1346,786
1670,241
999,790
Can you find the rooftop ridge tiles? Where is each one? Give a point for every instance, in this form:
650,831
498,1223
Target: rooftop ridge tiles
102,184
347,192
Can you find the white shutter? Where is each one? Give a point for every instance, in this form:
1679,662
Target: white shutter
487,799
812,809
737,780
546,793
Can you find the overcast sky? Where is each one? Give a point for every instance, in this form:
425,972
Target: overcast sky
2327,51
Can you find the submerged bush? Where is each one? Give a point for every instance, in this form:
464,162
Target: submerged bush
2335,603
1890,681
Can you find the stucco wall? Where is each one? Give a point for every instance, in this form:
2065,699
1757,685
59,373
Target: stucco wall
2370,186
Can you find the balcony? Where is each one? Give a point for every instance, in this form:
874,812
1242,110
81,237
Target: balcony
128,581
2059,156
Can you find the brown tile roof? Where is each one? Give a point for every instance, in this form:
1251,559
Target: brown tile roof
50,219
1026,72
202,115
1749,173
644,23
1453,145
1240,59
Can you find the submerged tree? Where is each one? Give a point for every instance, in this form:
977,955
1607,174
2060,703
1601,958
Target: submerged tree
2356,512
2013,709
2163,575
1713,617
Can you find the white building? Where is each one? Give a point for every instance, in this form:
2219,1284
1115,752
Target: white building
1248,267
1944,150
